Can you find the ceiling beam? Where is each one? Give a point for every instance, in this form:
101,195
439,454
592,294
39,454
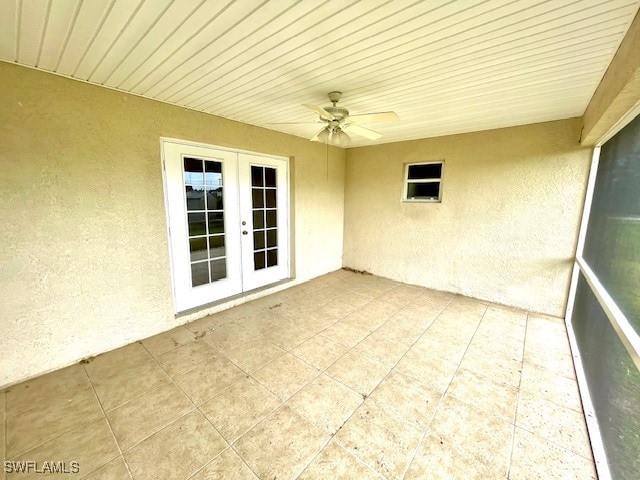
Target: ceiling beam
618,92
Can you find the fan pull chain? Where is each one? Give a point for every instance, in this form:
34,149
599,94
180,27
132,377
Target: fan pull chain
327,160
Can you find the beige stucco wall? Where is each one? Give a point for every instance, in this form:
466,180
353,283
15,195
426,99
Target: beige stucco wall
83,248
507,226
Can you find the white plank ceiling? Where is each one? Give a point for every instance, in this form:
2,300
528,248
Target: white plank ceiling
444,66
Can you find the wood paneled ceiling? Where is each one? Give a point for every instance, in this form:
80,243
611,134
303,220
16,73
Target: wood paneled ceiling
444,66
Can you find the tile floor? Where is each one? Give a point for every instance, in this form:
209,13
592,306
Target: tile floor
346,376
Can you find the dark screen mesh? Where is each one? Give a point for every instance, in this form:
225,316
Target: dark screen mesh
612,247
614,384
612,250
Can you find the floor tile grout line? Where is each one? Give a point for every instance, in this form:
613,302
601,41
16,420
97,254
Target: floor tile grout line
195,366
549,440
83,363
235,440
435,411
290,320
515,414
387,318
554,443
113,435
319,451
556,403
191,410
57,434
285,401
332,437
250,375
337,359
301,388
196,407
132,399
278,407
337,444
386,375
211,461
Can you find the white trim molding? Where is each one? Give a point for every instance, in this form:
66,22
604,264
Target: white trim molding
628,336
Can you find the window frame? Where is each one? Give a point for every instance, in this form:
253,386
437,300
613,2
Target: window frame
406,181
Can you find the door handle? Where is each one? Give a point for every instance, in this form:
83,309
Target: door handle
244,232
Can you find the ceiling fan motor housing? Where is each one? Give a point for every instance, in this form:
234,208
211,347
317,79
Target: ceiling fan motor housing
334,97
338,113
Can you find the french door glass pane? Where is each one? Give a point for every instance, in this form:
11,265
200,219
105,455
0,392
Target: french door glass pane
258,219
264,203
258,239
270,198
257,176
216,246
199,273
612,246
195,197
258,260
197,224
272,257
270,177
198,248
272,238
216,222
272,219
257,197
213,174
218,269
193,172
203,192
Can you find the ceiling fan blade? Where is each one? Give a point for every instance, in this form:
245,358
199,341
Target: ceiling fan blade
292,123
320,111
377,117
364,132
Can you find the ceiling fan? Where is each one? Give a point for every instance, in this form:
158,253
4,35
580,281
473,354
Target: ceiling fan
339,122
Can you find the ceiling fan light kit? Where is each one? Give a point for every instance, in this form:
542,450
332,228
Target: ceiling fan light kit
339,122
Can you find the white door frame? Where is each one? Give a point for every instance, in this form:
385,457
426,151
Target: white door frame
184,296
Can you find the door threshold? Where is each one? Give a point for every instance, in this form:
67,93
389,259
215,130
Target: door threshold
245,296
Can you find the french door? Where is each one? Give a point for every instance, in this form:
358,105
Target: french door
227,213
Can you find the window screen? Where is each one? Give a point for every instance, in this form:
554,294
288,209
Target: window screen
612,251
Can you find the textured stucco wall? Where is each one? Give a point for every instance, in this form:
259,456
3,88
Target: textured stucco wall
83,248
507,226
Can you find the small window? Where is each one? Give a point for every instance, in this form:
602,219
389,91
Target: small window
423,182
